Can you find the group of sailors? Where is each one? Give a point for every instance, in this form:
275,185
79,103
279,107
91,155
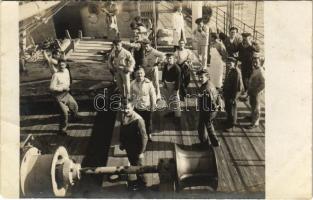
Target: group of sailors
135,66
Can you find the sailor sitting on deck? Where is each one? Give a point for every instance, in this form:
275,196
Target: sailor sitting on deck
151,61
121,63
60,87
133,139
184,58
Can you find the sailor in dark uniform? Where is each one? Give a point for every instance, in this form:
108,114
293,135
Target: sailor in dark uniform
232,88
133,139
246,50
171,78
208,104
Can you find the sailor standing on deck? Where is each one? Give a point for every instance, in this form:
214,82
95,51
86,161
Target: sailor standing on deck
245,51
60,87
232,42
184,59
144,98
133,139
111,10
178,25
151,61
137,50
209,104
121,63
139,28
210,27
171,79
218,56
232,88
208,23
255,89
201,41
218,45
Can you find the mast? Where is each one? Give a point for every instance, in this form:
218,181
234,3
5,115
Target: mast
230,14
155,22
255,15
138,8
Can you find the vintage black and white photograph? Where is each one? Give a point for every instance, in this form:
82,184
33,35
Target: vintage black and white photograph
142,99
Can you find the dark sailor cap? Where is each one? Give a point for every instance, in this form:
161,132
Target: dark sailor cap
145,41
169,54
246,34
199,20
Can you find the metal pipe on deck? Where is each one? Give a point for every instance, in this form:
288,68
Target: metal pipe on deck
54,174
120,170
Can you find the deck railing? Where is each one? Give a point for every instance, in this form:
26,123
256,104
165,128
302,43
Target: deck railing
220,18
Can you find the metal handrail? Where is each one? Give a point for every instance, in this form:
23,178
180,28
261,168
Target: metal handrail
234,18
220,18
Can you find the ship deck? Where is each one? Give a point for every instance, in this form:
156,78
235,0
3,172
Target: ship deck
94,140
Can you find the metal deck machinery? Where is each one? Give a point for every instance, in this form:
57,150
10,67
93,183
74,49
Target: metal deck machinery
52,175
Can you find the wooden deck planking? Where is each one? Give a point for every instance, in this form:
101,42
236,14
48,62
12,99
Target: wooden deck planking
186,139
240,157
149,161
232,181
153,148
44,128
245,146
168,137
255,145
193,133
158,134
38,128
80,133
257,142
239,148
226,180
234,148
160,139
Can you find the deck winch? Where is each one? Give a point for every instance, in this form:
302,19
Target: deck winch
51,175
